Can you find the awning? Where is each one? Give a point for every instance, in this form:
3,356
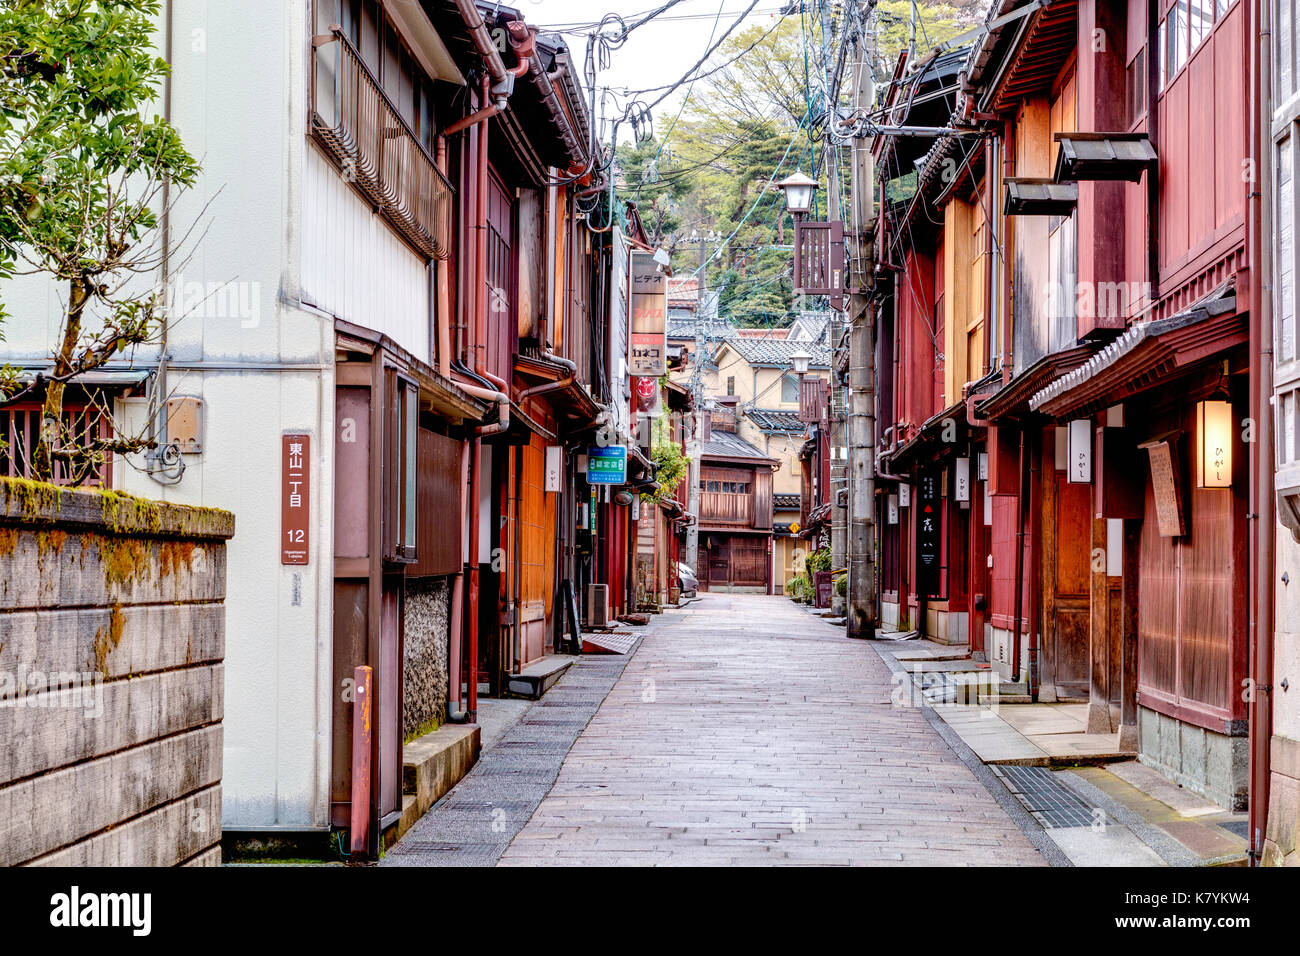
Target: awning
1147,355
930,441
572,404
1012,400
1103,156
1039,197
441,396
100,377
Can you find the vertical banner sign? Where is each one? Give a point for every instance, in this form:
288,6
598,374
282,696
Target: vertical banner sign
554,467
295,498
928,537
648,299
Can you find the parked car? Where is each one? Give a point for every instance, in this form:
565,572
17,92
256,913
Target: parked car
686,580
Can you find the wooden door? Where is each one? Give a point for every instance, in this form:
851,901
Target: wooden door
720,562
749,562
1067,583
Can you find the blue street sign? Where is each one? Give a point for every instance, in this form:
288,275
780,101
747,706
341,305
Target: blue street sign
607,465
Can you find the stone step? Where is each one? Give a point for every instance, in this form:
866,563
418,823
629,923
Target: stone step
539,677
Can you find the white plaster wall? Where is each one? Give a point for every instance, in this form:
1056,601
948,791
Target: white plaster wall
261,362
1286,650
355,266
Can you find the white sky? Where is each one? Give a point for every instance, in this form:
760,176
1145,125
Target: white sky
658,52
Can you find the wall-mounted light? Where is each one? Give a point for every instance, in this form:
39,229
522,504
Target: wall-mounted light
1214,443
961,480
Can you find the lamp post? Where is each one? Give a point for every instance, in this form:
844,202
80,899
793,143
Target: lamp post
801,360
799,190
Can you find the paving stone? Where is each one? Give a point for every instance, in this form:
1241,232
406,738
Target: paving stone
744,731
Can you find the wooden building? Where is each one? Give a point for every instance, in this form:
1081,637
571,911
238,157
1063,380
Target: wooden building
1065,369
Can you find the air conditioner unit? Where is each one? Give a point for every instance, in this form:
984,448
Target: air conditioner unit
597,605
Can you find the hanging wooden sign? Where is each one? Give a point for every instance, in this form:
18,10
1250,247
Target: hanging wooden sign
1166,485
928,537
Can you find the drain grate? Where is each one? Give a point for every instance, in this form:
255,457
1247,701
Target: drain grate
1239,828
1053,804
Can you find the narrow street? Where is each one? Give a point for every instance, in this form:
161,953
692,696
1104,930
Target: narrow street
743,730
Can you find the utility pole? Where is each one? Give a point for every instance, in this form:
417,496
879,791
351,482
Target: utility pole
862,378
694,448
839,471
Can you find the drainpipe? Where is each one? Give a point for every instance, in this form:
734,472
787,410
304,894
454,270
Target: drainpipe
517,638
523,40
457,631
1262,501
1021,509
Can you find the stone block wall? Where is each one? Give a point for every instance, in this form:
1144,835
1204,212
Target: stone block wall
424,666
112,638
1217,766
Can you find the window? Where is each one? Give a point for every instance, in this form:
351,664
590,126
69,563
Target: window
1187,25
1136,87
372,110
731,385
403,483
789,389
20,425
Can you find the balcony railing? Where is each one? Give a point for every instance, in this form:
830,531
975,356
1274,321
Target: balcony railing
720,507
376,149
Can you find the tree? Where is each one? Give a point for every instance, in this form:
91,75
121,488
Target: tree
86,175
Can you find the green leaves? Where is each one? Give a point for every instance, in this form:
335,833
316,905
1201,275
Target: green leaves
79,82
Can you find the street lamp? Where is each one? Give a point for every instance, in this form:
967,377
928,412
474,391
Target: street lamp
798,193
801,360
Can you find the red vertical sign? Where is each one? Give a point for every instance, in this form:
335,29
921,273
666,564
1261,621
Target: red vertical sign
295,498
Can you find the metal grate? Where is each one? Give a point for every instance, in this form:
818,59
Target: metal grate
1052,804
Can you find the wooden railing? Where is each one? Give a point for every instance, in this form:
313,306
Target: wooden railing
720,507
376,149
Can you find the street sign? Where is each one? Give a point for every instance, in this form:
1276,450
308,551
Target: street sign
295,498
607,465
648,300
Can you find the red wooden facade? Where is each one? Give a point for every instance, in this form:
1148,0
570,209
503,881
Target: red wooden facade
1119,311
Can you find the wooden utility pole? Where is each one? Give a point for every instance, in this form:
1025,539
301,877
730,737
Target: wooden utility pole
839,472
862,377
694,448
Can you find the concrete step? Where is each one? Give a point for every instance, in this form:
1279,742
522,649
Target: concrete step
1008,693
431,765
539,677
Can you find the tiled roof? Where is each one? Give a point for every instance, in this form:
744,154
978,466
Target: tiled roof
728,445
776,420
777,352
785,502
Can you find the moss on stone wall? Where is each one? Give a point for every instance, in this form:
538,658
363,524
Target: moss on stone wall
106,640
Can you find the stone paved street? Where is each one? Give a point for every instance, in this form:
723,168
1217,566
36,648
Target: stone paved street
744,730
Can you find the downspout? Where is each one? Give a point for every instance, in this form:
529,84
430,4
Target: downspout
496,88
1020,560
1262,501
1004,292
457,631
517,638
441,288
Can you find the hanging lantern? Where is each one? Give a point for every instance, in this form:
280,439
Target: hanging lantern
1214,443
